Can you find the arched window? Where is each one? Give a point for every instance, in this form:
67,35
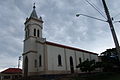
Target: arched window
71,61
80,61
59,61
28,33
38,33
34,32
25,66
40,61
35,63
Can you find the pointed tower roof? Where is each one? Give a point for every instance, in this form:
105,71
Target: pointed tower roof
34,14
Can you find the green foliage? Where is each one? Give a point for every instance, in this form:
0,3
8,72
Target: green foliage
87,66
110,61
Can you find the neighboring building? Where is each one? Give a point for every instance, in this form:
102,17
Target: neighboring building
11,74
41,57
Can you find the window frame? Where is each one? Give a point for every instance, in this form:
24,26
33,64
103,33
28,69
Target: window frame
59,60
35,64
38,33
34,32
40,60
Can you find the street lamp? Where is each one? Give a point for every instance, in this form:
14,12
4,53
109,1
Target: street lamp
112,28
109,20
77,15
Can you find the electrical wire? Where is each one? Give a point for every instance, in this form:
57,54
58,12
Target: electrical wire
95,8
93,5
98,8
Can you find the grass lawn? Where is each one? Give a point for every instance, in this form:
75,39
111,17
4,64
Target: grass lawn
111,77
102,76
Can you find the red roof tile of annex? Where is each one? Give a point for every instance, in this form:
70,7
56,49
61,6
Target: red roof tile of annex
68,47
12,71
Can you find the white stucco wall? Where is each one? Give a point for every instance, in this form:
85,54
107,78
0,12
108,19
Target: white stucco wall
40,51
32,49
70,53
79,55
86,56
34,24
94,57
30,44
31,61
53,52
52,58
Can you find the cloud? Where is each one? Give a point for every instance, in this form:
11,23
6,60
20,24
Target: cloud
60,25
11,34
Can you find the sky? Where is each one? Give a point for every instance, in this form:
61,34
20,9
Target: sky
60,25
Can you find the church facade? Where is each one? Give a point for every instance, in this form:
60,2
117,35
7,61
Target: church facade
42,57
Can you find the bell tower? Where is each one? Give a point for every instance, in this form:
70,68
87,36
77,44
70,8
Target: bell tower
33,25
33,33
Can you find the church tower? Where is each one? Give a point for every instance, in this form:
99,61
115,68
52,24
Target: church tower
33,25
33,33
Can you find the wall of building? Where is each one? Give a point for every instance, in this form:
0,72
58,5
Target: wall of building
51,59
54,51
79,55
30,44
70,53
31,62
40,52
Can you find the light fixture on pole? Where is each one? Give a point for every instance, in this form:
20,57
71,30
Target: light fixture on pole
109,20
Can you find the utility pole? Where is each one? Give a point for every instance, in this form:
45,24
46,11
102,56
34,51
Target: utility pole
19,61
109,20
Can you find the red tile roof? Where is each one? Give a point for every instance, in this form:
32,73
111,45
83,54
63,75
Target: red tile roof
12,71
68,47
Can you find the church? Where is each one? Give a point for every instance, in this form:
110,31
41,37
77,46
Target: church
41,57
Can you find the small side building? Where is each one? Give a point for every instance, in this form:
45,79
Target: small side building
11,74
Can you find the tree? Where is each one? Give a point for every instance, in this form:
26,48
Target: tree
87,66
110,61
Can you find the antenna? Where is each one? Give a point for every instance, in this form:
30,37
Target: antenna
19,61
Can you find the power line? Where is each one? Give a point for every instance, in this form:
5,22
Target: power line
98,9
93,5
95,8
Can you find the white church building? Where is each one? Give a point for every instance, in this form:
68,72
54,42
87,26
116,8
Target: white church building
41,57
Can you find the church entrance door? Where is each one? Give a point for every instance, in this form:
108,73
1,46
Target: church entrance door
26,67
71,65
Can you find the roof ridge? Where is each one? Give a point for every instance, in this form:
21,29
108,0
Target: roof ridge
70,47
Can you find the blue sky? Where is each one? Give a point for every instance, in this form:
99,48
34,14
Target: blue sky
60,25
